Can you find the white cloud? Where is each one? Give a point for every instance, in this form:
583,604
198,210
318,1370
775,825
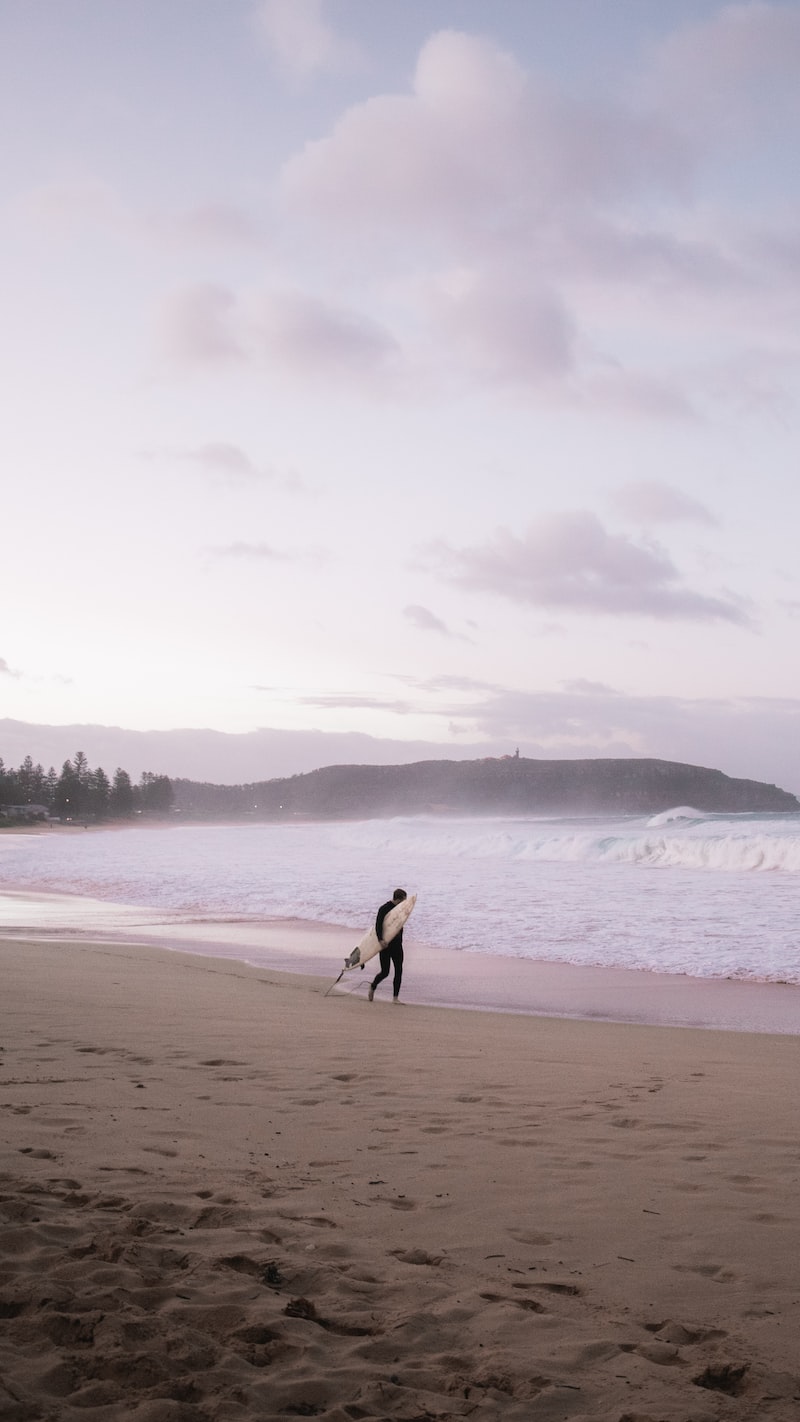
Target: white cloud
303,41
570,561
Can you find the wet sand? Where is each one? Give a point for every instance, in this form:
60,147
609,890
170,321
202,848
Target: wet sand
227,1195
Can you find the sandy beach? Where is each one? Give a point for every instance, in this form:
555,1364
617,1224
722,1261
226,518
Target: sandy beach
228,1196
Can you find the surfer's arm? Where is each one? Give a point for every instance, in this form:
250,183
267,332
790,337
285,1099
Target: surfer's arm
382,912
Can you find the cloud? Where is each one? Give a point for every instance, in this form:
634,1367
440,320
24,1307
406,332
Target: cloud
582,687
222,458
570,561
477,142
732,72
85,204
747,736
302,40
425,620
648,501
518,214
198,326
215,224
501,234
5,669
503,329
633,393
74,203
336,701
262,552
315,337
296,334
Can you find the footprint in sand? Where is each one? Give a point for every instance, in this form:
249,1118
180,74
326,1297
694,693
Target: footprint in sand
527,1236
683,1335
529,1305
417,1256
718,1272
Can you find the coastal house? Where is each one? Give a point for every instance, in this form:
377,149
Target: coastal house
26,813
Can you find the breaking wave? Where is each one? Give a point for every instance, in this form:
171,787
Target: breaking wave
682,838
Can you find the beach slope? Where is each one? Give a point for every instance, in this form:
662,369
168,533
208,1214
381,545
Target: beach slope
227,1196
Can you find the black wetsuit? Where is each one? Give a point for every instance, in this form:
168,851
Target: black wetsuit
392,956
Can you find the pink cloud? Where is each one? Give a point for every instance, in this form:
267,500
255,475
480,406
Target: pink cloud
302,40
297,334
569,560
476,142
215,224
648,501
198,326
503,330
261,552
734,71
427,621
314,336
220,457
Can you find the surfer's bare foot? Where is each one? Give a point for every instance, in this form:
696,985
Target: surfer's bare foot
371,994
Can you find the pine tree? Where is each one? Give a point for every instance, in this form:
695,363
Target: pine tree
98,794
121,798
155,794
50,786
67,799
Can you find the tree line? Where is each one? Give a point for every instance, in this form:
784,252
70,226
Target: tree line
80,793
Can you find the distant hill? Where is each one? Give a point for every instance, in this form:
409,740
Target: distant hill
507,786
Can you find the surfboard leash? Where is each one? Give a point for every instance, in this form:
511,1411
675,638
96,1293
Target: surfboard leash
333,985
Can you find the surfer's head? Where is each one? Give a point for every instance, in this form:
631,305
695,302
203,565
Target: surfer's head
399,895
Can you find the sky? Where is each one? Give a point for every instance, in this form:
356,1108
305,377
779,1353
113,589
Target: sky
395,378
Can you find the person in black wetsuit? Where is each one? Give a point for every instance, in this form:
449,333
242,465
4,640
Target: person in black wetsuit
391,954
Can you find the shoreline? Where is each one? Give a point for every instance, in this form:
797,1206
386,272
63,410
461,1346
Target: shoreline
432,977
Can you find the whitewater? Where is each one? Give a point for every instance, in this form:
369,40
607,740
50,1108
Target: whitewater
709,896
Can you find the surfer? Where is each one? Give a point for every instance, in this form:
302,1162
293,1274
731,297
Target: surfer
391,954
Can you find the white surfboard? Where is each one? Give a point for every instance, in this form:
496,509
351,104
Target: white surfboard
370,944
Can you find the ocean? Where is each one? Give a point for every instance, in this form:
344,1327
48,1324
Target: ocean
708,896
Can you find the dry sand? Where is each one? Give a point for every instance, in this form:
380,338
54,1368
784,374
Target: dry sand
227,1196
